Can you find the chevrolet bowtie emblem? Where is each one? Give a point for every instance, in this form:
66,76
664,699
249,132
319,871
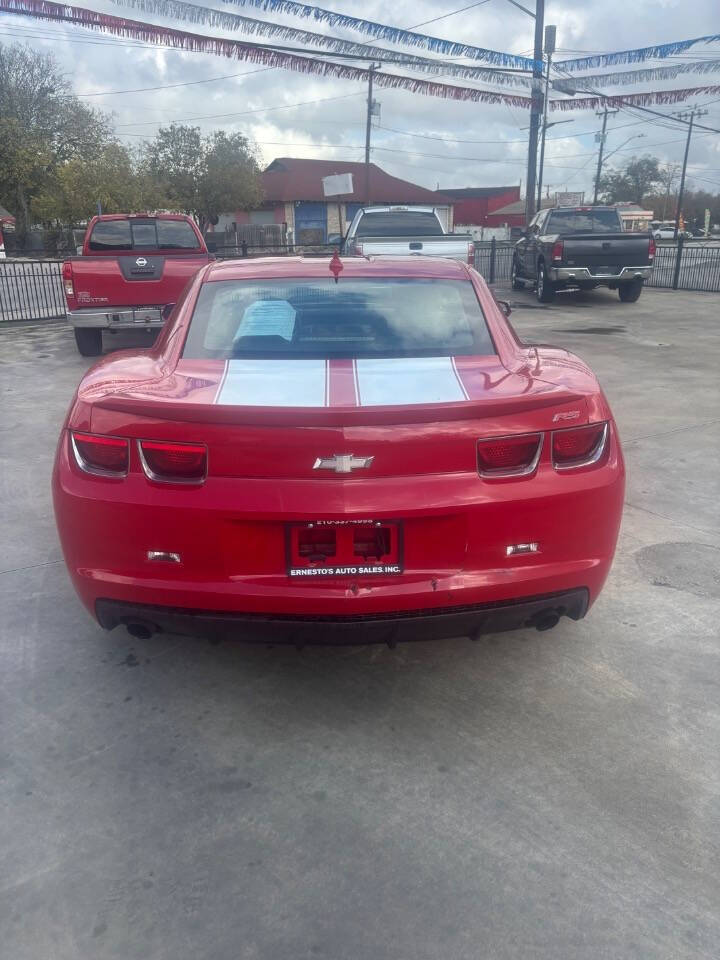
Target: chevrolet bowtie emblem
342,463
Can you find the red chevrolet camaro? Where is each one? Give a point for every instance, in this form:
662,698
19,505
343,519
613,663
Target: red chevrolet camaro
338,450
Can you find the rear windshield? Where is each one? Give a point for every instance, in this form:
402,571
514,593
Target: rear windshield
147,234
362,317
583,221
399,223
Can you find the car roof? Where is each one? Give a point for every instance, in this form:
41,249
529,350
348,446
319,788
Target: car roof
142,216
267,267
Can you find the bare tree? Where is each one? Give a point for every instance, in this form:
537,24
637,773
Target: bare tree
42,126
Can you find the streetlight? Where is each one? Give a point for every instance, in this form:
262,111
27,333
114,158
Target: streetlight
635,136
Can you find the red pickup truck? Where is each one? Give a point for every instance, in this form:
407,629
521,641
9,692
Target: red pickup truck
131,273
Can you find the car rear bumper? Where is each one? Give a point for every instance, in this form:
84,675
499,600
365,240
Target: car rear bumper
124,318
584,274
442,623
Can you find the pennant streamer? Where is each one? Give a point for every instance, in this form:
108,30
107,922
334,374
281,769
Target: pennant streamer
209,16
643,76
381,31
634,56
235,49
633,99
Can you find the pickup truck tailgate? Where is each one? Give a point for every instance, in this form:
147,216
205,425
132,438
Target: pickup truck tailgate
446,246
608,250
134,279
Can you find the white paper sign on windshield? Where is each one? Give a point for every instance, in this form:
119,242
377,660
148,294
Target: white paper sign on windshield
267,318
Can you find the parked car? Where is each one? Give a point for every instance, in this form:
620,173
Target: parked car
665,230
582,247
403,231
348,450
132,271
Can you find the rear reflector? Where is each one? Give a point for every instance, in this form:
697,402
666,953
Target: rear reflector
578,446
104,456
173,462
509,456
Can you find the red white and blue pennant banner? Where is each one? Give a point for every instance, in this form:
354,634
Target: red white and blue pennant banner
221,19
253,53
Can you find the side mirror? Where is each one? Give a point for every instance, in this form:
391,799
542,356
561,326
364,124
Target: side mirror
505,307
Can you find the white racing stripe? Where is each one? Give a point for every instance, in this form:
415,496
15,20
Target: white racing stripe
274,383
399,382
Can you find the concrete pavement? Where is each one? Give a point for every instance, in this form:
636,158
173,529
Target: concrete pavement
531,795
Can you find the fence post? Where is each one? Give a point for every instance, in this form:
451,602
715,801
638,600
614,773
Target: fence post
493,251
678,258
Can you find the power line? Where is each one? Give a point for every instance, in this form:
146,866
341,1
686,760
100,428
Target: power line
444,16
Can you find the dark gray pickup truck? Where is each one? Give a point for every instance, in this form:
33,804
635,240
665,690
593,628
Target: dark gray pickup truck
582,247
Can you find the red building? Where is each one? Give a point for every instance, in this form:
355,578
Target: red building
487,206
294,199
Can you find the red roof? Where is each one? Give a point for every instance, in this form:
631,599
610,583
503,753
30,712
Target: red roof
288,179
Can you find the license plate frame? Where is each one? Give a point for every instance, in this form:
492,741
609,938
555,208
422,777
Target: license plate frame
348,536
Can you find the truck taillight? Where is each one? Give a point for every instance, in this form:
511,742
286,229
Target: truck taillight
104,456
558,250
173,462
471,253
67,274
578,446
511,456
651,248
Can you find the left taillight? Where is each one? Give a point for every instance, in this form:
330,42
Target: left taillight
169,462
512,456
67,274
558,250
578,446
100,455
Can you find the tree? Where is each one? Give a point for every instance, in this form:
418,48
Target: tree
113,177
205,176
42,126
640,176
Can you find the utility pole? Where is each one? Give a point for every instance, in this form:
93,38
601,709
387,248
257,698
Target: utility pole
368,126
600,154
695,112
550,38
536,109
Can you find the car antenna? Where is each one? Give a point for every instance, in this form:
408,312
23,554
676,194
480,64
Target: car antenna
336,265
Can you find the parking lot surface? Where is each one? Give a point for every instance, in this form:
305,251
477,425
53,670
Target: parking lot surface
542,795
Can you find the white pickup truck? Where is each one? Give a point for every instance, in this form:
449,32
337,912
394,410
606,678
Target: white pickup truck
405,231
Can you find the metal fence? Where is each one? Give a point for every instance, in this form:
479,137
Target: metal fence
32,289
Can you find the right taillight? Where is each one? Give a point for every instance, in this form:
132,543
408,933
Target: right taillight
471,253
103,456
512,456
67,274
578,446
651,248
173,462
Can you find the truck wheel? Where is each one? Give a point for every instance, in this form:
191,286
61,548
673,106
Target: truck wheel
630,292
89,341
545,290
516,283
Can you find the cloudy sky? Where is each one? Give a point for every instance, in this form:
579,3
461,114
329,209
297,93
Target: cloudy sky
423,139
